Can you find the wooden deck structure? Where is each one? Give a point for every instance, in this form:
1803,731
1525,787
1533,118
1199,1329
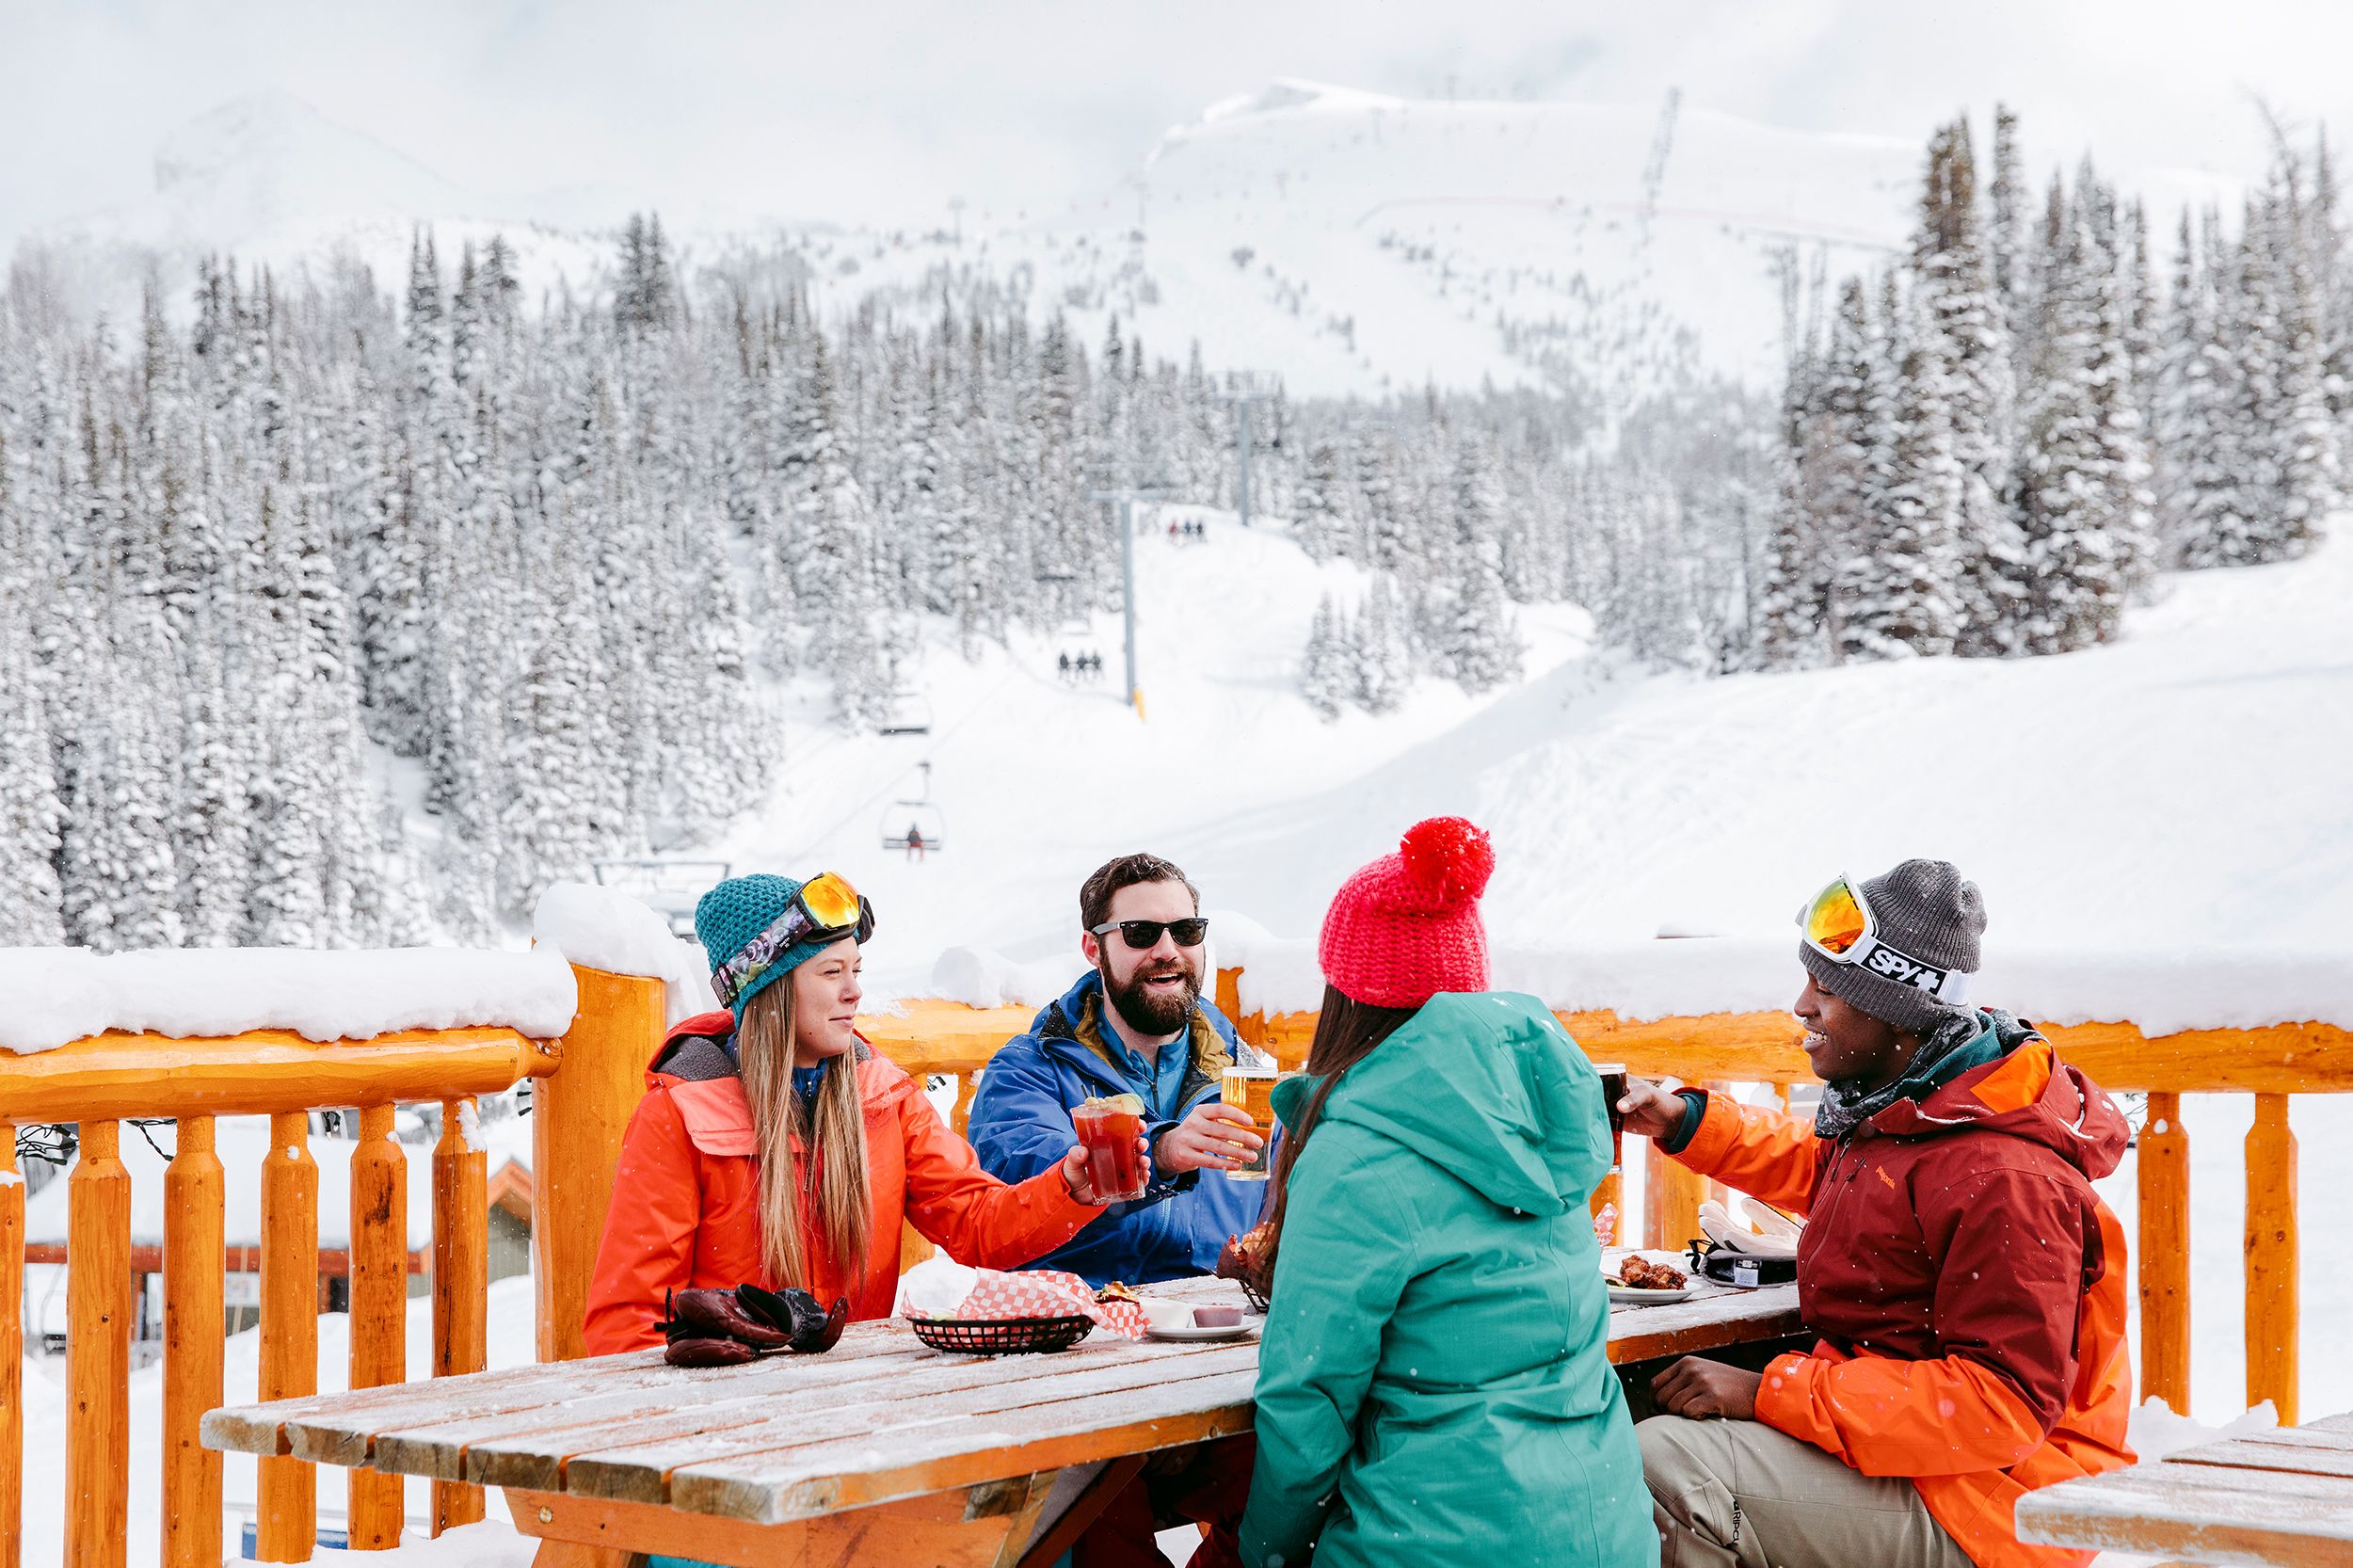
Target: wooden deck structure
590,1083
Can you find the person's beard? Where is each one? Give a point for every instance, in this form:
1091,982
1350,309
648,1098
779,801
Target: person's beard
1154,1012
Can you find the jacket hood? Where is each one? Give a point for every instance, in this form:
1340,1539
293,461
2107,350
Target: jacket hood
1489,1088
1058,1023
2028,1093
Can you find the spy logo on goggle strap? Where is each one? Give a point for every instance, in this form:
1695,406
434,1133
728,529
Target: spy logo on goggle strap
1886,961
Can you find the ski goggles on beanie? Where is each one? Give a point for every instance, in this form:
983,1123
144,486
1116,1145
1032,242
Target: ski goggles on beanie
825,909
1837,923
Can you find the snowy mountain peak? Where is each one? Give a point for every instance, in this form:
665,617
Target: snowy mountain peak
270,157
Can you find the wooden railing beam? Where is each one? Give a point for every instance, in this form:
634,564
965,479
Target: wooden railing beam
99,1318
2162,1177
380,1311
2271,1256
194,1261
11,1352
287,1488
266,1072
461,1272
578,1117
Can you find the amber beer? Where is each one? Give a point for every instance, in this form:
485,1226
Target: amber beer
1250,1091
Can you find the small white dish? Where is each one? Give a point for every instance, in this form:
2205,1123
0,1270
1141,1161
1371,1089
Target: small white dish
1236,1331
1635,1295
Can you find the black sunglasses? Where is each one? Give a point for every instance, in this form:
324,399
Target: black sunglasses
1141,934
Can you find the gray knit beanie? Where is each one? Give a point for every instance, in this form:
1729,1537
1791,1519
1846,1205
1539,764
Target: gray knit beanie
1924,911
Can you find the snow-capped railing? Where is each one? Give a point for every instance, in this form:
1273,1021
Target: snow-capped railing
2166,1024
196,1035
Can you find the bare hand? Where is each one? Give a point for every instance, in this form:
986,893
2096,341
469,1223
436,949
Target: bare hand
1213,1137
1707,1390
1076,1173
1650,1111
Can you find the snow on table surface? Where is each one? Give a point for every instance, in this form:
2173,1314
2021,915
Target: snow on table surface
2162,991
604,928
56,995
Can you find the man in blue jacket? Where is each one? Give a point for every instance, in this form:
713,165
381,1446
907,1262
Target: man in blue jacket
1136,1026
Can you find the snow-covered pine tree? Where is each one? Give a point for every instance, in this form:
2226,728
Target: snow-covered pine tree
1318,522
2067,490
1326,677
1384,667
1897,589
1479,640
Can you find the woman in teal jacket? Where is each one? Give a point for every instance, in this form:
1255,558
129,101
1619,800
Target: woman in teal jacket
1434,1387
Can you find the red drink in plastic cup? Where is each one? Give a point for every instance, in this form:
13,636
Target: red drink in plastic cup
1110,1130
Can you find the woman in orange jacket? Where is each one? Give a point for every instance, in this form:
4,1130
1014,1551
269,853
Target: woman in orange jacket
697,1201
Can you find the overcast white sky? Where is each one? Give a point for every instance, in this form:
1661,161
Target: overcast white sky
876,109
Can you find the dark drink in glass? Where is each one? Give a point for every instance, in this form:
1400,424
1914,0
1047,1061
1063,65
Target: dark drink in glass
1613,1091
1111,1131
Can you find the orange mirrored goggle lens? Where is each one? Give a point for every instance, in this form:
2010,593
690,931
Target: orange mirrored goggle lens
1834,922
831,902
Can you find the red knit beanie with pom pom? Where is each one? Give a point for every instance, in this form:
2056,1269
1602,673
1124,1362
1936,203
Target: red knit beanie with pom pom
1407,926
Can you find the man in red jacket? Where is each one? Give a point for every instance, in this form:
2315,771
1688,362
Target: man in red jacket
1967,1284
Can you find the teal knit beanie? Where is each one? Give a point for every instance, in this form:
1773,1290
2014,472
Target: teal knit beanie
736,914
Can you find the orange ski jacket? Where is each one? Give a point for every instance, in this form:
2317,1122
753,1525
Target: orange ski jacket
685,1207
1967,1284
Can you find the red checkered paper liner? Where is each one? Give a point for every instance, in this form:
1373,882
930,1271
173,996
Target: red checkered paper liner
1045,1293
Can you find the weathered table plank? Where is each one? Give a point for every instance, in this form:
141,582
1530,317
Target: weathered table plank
878,1420
2199,1512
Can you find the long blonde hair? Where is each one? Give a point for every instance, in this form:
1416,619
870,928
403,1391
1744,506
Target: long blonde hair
832,1190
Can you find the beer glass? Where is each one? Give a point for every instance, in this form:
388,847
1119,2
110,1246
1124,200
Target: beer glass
1250,1091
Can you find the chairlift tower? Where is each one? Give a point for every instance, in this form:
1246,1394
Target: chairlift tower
1127,500
1242,392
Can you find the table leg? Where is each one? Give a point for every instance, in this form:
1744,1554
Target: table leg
1088,1506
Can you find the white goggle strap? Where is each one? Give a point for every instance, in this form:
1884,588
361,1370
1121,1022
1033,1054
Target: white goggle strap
1877,957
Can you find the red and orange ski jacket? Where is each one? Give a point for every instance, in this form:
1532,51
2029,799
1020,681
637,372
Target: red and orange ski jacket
1967,1284
686,1196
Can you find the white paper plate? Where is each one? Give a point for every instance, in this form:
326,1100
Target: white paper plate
1237,1331
1629,1295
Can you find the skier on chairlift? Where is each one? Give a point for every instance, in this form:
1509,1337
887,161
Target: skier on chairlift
915,841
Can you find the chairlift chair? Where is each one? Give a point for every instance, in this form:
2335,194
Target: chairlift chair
904,820
669,888
909,714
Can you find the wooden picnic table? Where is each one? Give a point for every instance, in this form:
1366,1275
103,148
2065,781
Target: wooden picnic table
880,1451
2278,1497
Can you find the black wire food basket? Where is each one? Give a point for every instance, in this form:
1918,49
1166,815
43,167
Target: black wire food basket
1004,1337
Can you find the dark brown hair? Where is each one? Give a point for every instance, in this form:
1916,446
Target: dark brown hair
1094,894
1347,1031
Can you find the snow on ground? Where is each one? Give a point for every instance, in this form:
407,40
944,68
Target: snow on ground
61,994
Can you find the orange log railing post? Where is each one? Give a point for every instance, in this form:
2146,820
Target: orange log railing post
11,1351
193,1262
2162,1177
461,1272
287,1489
379,1310
2271,1295
578,1115
1672,1195
98,1351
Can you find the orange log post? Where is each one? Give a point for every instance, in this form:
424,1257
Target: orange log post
1672,1195
2271,1302
1607,1207
288,1488
11,1351
2162,1174
98,1351
193,1261
379,1310
461,1272
578,1116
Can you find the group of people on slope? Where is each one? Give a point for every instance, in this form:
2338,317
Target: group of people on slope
1433,1384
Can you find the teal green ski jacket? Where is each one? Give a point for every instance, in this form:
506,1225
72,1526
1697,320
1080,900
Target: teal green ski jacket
1434,1383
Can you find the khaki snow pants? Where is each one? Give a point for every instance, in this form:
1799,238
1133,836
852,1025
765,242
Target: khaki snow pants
1727,1493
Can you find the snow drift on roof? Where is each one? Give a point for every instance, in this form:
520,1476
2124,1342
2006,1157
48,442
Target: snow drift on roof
61,994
